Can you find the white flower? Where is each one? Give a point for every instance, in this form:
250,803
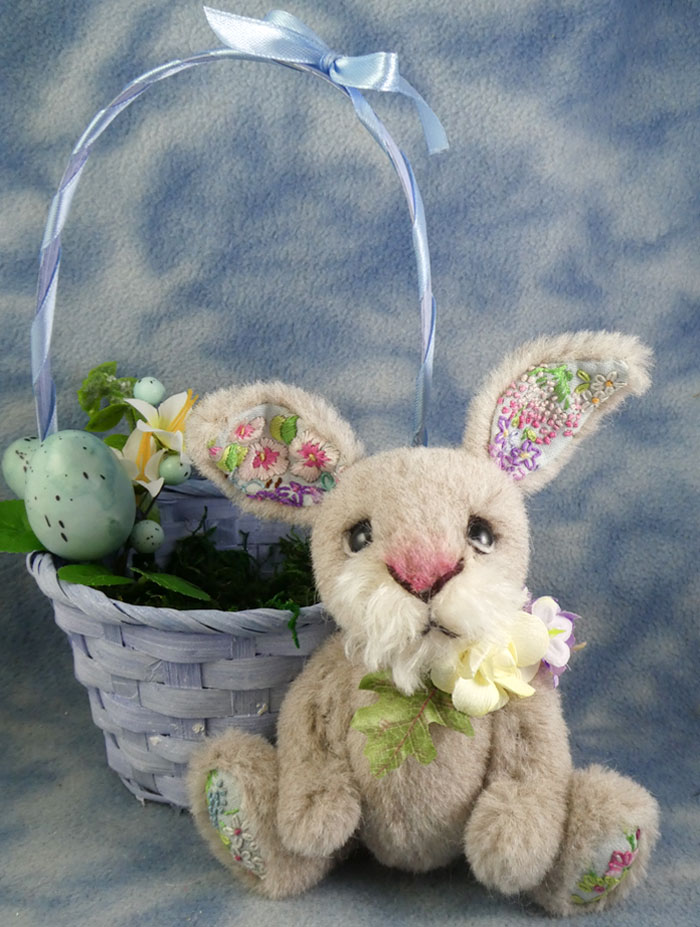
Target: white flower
167,422
141,459
600,387
483,677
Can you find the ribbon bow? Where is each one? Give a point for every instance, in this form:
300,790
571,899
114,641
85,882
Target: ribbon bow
283,38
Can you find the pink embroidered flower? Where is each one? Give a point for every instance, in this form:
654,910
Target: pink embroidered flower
310,455
265,459
620,861
247,432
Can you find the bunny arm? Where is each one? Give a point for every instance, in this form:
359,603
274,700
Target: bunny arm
517,824
318,802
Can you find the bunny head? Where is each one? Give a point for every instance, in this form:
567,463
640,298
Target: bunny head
416,548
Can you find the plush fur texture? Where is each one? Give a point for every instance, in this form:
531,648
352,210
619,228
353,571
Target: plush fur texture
415,586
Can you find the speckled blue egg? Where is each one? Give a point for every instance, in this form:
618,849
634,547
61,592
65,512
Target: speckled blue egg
174,470
79,498
15,463
147,536
149,390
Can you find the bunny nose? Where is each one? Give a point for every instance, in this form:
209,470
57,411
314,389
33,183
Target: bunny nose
423,576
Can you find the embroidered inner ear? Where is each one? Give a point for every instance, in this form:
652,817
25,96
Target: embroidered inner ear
268,452
545,408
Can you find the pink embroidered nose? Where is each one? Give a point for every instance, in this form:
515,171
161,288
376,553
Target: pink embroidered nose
423,575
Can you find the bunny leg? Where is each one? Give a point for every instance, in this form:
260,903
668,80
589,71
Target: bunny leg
611,828
517,823
233,788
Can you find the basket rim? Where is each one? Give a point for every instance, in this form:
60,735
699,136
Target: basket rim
246,623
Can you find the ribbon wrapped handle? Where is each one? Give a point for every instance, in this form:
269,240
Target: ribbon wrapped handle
283,39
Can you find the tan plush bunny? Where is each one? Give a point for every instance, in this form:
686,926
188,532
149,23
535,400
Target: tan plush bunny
428,727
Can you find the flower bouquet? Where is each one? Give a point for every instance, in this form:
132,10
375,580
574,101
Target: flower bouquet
93,504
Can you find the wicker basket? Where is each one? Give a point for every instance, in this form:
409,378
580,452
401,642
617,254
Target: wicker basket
160,680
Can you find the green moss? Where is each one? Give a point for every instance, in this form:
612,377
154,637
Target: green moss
234,579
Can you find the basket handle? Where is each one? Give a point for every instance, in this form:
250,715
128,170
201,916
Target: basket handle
282,39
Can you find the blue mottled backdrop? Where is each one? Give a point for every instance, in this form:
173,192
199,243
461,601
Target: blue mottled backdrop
236,223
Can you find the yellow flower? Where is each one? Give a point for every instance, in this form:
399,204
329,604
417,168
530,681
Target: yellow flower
485,676
167,422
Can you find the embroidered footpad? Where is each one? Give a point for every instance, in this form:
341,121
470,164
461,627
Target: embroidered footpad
228,819
612,864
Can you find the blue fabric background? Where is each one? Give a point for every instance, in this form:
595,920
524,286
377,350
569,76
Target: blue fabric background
237,223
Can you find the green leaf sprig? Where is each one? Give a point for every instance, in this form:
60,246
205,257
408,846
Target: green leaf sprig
398,726
102,396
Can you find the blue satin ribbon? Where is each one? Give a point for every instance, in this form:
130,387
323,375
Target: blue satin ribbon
283,39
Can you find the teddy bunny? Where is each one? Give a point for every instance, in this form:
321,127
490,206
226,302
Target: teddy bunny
428,727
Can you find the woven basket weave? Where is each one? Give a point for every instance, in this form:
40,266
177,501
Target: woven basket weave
160,680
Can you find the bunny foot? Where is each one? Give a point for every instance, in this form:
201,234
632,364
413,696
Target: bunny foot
610,833
233,793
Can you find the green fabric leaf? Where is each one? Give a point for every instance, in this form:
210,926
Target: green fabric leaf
175,584
16,536
91,574
398,726
117,441
107,418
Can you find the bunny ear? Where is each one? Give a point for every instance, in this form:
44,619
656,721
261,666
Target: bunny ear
544,398
275,450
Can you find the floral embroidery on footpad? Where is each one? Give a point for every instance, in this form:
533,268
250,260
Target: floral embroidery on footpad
269,453
228,820
593,886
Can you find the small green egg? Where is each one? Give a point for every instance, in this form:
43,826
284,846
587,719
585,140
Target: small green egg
149,390
15,463
147,536
174,470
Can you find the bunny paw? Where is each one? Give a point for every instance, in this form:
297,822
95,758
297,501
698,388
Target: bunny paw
611,864
611,829
229,820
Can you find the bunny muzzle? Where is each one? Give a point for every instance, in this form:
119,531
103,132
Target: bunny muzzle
410,607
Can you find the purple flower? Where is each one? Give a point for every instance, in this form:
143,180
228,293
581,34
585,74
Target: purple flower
519,460
293,494
504,430
560,626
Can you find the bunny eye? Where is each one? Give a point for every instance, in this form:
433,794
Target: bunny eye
360,536
480,535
